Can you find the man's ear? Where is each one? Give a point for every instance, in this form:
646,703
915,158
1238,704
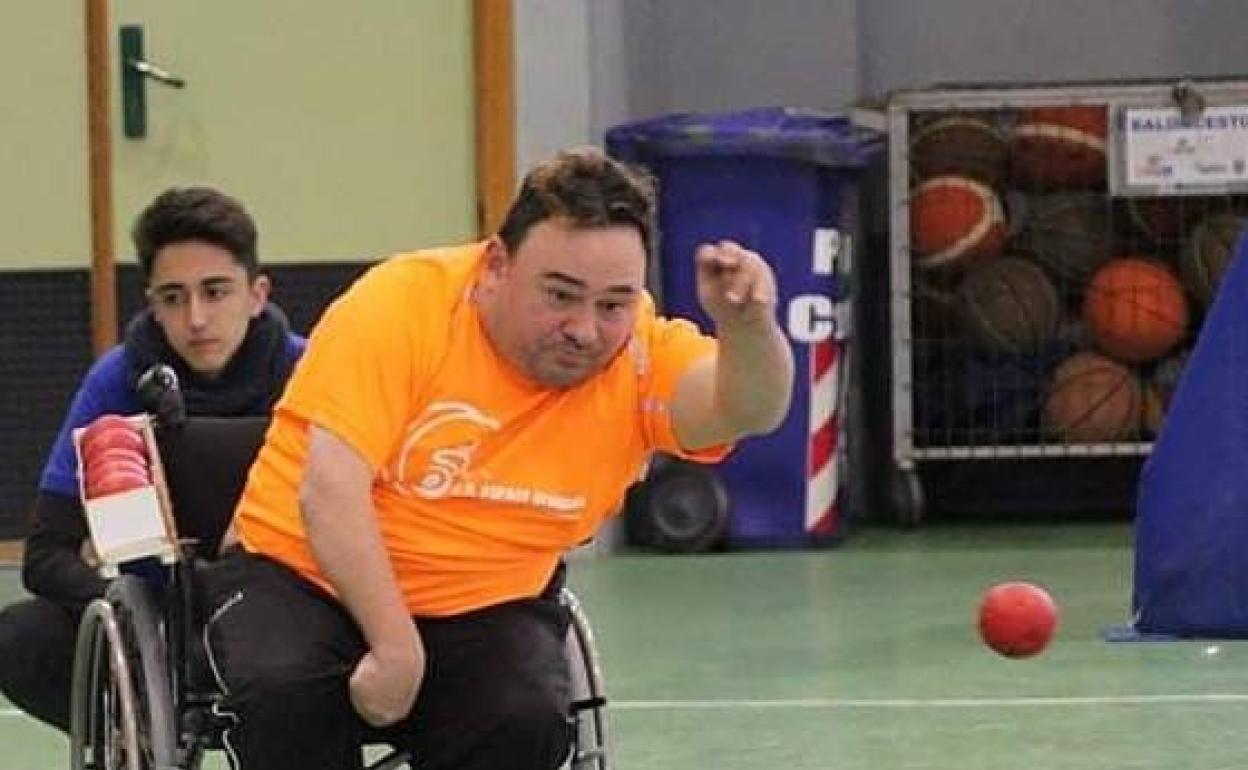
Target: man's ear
260,288
497,258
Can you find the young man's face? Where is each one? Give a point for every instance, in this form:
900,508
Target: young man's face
203,300
563,304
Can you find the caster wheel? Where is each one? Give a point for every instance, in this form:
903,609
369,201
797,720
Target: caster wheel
681,507
906,491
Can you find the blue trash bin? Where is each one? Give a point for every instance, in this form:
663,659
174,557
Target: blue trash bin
783,182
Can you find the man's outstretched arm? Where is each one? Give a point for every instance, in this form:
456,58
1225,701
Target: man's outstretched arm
745,389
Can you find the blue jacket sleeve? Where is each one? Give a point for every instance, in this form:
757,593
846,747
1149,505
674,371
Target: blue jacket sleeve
105,389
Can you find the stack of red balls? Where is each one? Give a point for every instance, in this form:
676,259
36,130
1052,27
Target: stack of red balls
114,457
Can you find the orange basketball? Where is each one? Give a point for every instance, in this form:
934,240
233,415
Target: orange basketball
1060,147
953,220
1092,399
1135,310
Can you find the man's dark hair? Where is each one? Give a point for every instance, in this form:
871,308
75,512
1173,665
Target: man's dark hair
182,214
585,188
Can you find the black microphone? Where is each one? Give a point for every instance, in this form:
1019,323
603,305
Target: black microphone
158,393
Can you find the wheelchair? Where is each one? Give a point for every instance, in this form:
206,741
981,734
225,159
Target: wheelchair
143,697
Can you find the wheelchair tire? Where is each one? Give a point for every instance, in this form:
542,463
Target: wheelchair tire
122,712
590,737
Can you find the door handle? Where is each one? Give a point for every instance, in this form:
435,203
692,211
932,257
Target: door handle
156,72
135,72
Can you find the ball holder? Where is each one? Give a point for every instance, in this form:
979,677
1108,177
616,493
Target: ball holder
133,524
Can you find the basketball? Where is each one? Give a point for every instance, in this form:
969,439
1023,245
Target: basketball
1070,234
1060,147
959,145
1017,620
1092,399
1010,306
1206,255
955,220
934,302
1134,309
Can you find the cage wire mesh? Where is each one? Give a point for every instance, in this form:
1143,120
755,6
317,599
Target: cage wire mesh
1039,308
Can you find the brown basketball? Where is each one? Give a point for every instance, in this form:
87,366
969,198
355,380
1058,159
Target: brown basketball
1135,310
1092,399
1207,253
934,306
1010,306
1060,147
1069,234
955,220
959,145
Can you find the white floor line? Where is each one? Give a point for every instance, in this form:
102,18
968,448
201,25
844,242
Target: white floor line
920,703
901,703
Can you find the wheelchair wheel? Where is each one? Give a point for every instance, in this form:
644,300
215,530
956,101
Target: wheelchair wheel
590,747
121,714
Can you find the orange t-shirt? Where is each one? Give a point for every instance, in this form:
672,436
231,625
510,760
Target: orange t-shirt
482,478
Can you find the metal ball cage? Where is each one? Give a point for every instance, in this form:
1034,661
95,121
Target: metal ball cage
955,404
143,698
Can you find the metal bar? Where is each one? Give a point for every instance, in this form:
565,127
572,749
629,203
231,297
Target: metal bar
1016,452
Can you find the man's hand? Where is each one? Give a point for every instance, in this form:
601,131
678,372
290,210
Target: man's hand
383,690
87,553
734,284
745,388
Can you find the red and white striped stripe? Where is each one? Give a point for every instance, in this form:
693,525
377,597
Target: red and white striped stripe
822,483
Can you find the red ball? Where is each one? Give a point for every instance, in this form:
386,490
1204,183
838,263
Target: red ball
113,436
112,464
1017,620
112,479
98,453
107,422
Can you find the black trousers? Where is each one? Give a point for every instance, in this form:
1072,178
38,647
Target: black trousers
37,657
495,695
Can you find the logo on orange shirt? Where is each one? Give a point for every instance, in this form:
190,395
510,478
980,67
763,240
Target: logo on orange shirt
437,457
439,448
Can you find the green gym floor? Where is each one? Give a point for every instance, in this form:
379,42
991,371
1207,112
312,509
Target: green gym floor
865,656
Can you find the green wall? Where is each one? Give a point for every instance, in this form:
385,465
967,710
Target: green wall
346,128
43,136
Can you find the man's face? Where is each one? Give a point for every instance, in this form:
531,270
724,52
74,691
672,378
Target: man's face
203,300
563,304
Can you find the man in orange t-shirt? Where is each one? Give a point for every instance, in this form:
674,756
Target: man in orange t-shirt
462,418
